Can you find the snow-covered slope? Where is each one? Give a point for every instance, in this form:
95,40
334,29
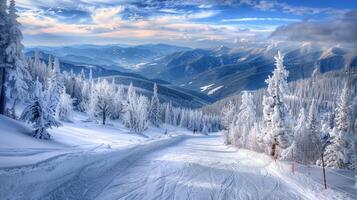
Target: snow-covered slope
181,167
89,161
19,148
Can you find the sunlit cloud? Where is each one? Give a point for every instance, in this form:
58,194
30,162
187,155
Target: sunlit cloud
155,20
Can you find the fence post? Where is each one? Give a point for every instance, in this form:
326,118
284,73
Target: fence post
323,170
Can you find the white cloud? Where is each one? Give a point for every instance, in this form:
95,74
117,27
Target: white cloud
106,15
260,19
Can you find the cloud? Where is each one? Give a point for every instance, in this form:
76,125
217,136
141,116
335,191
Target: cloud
339,30
265,5
151,20
106,15
260,19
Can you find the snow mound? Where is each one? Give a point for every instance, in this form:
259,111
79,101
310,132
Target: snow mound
16,134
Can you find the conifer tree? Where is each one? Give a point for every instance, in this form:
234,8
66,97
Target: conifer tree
38,114
154,108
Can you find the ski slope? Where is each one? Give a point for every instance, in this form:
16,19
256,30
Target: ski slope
85,160
180,167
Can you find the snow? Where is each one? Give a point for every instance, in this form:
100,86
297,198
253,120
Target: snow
17,147
204,88
90,161
215,90
140,65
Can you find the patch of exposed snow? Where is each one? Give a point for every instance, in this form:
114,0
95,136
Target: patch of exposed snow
204,88
140,65
215,90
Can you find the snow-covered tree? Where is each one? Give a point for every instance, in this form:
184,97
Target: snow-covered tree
184,118
228,114
311,145
300,136
4,41
239,130
91,105
19,78
136,111
55,87
142,114
64,110
104,93
246,117
117,104
154,108
168,113
39,114
342,110
277,129
341,153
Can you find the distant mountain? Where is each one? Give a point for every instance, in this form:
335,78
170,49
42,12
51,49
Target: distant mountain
221,71
110,56
167,92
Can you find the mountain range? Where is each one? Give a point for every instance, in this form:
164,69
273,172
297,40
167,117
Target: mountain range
199,76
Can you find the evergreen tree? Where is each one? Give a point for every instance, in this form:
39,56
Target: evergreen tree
275,110
104,94
117,105
154,108
4,41
38,114
228,114
341,153
55,87
64,110
168,113
18,77
136,111
312,145
246,117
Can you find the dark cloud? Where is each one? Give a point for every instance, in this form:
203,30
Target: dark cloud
339,30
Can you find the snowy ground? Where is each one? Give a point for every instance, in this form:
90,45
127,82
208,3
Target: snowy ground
89,161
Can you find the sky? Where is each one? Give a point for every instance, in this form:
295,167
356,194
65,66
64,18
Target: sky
195,23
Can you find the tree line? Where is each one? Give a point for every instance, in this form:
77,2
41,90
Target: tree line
313,117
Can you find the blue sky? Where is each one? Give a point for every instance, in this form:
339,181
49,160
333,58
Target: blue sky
195,23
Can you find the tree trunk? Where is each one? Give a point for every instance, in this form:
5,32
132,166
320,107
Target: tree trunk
2,91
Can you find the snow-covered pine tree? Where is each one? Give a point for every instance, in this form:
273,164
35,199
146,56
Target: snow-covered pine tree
39,114
19,77
228,114
4,41
64,110
311,145
91,106
104,103
129,114
245,120
136,111
277,128
341,153
117,105
184,120
154,114
141,114
168,113
300,136
39,69
55,87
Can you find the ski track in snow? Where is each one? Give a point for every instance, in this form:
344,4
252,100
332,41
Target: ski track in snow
183,167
